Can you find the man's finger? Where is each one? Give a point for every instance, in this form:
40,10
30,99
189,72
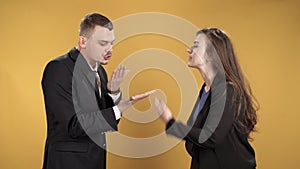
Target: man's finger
121,71
151,92
113,74
138,97
118,72
126,72
141,96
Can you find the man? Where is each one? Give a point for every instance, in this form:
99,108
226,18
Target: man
81,103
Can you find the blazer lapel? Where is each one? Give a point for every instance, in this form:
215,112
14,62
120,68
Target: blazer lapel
73,53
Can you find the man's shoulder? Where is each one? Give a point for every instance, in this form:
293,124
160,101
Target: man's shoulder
62,64
59,69
66,59
57,62
61,58
69,56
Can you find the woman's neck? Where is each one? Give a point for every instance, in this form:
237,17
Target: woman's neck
208,78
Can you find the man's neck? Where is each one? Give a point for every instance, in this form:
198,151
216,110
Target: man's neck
92,64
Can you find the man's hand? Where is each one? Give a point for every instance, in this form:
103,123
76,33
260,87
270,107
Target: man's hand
163,111
126,103
117,78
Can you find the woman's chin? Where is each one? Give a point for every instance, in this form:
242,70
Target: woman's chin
190,65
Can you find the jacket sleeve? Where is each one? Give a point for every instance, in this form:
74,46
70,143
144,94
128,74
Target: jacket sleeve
57,89
219,121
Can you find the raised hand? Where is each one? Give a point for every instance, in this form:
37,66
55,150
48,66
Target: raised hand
126,103
163,111
117,78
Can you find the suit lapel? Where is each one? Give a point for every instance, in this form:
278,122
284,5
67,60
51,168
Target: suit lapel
73,54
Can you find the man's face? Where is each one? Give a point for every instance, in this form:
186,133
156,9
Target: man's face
99,45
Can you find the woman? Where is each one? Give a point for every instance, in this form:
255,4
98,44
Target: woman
224,115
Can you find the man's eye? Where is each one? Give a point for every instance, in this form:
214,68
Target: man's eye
103,43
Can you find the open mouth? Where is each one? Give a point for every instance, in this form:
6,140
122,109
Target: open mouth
107,57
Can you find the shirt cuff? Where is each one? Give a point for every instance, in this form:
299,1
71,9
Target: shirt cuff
115,97
117,112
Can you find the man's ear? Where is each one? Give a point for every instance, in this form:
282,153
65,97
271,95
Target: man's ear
82,41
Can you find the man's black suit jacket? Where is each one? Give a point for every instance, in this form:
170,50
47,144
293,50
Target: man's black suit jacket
77,119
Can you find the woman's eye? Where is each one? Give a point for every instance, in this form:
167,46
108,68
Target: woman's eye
195,46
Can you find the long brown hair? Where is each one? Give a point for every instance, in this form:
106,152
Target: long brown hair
247,104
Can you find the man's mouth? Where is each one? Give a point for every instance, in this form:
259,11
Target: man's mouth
107,57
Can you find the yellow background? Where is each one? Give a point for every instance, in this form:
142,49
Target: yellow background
265,34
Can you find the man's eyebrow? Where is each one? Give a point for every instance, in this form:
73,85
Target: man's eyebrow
196,42
105,41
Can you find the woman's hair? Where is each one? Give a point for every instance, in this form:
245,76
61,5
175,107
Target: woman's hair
247,104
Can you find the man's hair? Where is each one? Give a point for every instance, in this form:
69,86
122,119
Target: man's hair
90,21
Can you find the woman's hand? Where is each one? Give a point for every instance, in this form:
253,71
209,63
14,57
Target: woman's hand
163,111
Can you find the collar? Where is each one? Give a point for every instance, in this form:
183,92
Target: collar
94,69
73,53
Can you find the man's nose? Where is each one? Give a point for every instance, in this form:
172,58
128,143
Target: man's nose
110,48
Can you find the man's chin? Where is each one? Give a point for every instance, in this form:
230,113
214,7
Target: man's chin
104,62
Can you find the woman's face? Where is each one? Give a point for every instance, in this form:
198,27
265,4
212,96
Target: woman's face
197,55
